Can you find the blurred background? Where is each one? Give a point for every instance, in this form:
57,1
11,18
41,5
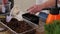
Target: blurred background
24,4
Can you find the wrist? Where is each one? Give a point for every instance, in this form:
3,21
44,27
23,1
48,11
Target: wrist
40,7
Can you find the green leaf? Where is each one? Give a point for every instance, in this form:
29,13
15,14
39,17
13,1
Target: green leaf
53,28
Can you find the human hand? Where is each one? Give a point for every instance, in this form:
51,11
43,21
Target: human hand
34,9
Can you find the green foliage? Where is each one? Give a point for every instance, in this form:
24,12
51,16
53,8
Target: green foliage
53,28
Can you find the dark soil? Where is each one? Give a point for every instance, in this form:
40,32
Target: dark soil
19,26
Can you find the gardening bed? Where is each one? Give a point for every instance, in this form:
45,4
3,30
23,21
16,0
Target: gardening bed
20,27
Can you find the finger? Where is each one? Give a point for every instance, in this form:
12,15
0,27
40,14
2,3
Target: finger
30,8
33,11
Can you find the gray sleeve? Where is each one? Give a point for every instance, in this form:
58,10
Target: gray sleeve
41,1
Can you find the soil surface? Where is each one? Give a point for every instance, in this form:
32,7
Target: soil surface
19,26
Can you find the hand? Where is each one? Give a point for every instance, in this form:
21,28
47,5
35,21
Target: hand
34,9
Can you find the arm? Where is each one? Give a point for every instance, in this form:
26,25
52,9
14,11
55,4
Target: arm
48,4
37,8
59,1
